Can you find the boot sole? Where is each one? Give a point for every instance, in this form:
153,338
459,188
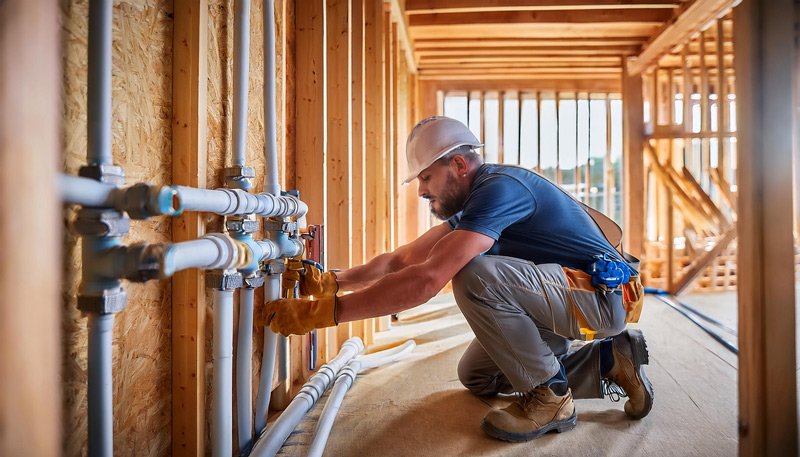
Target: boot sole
641,357
558,426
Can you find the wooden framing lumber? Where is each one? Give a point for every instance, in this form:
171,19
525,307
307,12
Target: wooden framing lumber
644,15
633,164
414,7
358,147
189,147
399,17
339,160
690,19
765,252
311,141
31,235
707,259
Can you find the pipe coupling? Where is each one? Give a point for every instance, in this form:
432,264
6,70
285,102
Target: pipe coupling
227,252
143,200
144,262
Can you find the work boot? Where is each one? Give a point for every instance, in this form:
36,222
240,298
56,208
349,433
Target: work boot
630,354
531,416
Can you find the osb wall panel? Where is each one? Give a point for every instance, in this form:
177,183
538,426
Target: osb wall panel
142,65
220,134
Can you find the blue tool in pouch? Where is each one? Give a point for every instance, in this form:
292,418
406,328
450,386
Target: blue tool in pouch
608,273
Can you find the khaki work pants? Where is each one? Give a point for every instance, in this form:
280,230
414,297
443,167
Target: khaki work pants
524,319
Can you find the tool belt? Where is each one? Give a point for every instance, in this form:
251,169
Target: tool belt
632,297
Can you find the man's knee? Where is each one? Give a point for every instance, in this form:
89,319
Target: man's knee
481,383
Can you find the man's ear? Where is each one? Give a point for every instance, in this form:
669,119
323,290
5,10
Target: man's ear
461,165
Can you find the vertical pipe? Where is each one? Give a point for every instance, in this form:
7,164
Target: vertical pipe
222,420
271,182
244,368
101,417
241,73
272,291
98,151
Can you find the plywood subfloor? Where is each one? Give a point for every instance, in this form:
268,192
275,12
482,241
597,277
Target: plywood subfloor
417,407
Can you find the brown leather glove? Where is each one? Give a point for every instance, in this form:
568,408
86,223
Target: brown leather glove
298,316
313,281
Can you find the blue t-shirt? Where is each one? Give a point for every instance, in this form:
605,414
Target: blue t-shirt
530,218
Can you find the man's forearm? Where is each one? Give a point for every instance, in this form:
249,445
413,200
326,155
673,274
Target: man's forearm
393,293
362,276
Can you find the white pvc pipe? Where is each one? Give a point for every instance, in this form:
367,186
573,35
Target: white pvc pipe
343,383
101,415
221,416
386,356
214,251
86,192
241,73
98,110
276,435
244,368
229,202
272,291
271,183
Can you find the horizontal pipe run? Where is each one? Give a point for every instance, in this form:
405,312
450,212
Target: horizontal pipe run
229,202
271,442
140,201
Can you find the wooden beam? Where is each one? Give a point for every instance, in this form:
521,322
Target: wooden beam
31,235
765,249
701,263
311,140
374,73
544,51
543,30
400,18
339,160
689,20
583,85
502,18
633,164
189,148
359,147
515,42
549,79
414,7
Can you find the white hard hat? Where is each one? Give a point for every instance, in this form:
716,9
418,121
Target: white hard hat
431,139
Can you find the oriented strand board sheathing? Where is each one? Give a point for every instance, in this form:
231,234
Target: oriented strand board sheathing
142,64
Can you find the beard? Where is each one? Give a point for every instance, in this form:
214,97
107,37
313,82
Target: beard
450,202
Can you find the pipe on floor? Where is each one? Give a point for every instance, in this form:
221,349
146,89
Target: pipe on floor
98,111
272,291
270,443
244,368
101,415
343,383
241,73
221,417
271,183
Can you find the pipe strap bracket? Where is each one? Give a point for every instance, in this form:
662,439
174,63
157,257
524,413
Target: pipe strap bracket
110,301
223,280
